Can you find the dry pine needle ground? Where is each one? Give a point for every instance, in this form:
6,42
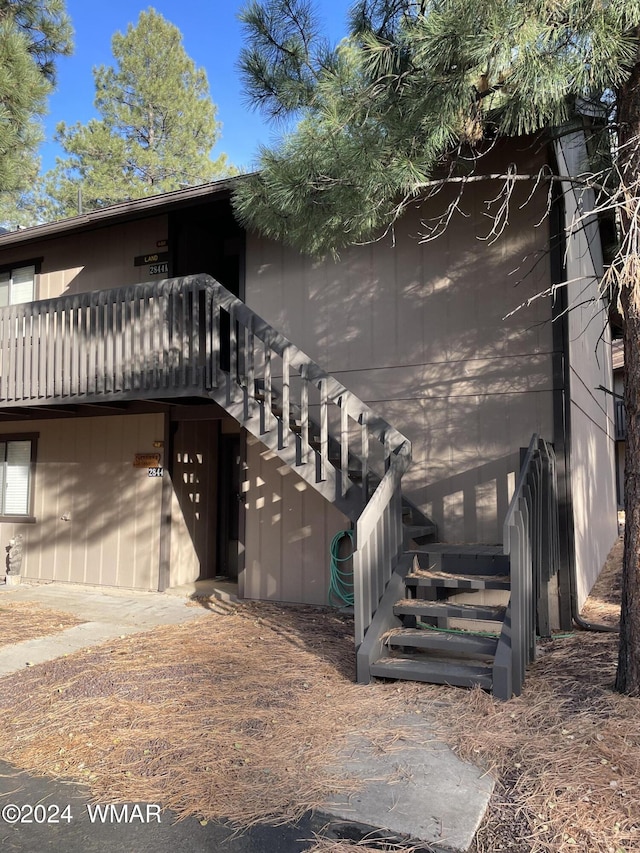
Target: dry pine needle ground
228,717
20,621
567,752
238,716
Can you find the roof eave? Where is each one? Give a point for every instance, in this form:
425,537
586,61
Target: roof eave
122,211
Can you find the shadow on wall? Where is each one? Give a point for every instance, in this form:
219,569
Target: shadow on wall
595,520
417,331
195,450
474,502
201,239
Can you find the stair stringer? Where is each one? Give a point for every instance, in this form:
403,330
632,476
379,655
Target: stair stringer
432,658
350,504
503,661
372,647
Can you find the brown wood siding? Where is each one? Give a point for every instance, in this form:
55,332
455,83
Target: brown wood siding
85,472
291,526
417,330
97,260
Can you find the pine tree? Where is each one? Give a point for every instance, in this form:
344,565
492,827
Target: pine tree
156,129
412,86
33,33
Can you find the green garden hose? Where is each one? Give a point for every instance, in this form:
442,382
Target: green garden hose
341,582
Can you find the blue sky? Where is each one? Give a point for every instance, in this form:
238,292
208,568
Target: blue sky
212,37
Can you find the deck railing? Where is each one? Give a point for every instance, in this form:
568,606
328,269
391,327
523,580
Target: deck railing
129,342
531,540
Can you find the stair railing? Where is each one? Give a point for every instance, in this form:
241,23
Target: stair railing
378,536
379,544
531,539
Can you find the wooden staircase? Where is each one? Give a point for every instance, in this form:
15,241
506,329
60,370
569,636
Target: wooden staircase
428,614
440,633
468,615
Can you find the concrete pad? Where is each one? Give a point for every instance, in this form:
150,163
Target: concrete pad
220,589
417,789
119,607
108,615
31,652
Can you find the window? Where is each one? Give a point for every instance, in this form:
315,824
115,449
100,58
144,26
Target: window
17,285
17,463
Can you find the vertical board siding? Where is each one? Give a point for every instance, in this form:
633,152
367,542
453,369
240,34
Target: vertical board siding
288,530
195,486
85,471
418,332
97,260
185,565
592,417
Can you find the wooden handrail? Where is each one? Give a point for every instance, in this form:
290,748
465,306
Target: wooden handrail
531,539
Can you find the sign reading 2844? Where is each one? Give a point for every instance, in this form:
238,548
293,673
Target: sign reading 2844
159,269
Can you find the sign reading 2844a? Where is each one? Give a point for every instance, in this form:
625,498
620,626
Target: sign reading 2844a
158,262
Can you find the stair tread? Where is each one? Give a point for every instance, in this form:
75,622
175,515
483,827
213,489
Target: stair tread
426,577
418,531
433,670
411,528
465,642
417,607
466,550
475,563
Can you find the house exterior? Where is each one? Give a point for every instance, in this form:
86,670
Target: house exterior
155,478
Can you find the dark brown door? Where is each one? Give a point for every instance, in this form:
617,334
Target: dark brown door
195,481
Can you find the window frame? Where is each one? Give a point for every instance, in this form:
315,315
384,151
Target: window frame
36,263
7,438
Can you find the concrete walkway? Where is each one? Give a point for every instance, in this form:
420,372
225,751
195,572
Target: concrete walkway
420,791
108,615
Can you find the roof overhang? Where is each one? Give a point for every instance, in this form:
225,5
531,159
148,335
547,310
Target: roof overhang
122,212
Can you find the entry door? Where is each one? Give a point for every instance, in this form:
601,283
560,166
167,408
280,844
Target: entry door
194,452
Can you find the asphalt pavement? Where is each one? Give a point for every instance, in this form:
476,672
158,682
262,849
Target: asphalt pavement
38,814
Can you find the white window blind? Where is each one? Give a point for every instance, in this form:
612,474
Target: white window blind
16,477
22,285
17,286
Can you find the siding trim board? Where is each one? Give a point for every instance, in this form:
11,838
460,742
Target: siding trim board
164,555
561,410
589,454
